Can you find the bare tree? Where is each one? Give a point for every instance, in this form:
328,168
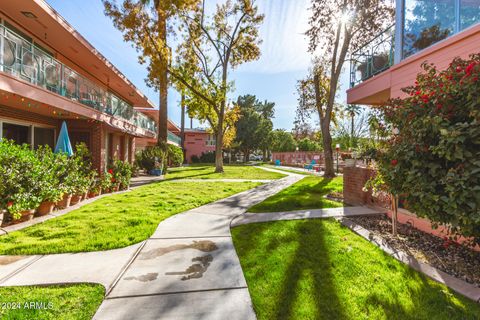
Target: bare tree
337,26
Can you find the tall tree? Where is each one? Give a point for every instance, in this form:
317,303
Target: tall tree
338,26
352,110
144,23
282,141
216,45
255,125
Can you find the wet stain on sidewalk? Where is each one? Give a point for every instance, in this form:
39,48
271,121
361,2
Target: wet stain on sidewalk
204,246
144,277
10,259
196,270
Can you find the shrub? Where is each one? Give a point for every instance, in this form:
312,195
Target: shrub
175,155
434,156
21,177
207,157
106,181
195,159
121,173
150,158
52,165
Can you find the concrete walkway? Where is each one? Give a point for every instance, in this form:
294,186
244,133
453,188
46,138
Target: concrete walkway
188,269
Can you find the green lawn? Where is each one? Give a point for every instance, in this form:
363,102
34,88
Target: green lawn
318,269
204,171
69,302
305,194
117,221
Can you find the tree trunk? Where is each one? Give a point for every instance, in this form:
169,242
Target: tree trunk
264,155
394,199
182,127
328,152
219,144
163,86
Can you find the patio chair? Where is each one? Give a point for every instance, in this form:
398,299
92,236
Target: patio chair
277,162
310,166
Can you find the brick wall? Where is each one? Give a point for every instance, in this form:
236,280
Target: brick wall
354,179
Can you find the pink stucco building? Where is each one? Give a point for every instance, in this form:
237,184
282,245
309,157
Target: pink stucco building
49,74
198,141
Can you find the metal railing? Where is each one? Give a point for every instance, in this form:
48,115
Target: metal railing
23,59
373,58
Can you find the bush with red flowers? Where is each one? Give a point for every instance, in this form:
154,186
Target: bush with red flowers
433,153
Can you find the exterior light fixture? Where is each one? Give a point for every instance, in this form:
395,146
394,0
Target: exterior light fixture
337,146
29,15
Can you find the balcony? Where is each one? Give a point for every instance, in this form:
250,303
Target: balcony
373,58
174,138
23,59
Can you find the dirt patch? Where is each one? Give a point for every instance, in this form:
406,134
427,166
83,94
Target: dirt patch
456,260
10,259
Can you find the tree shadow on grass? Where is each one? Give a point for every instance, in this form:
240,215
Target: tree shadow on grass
312,256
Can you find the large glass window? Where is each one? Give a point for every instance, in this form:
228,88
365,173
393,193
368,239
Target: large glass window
427,22
44,136
18,133
469,13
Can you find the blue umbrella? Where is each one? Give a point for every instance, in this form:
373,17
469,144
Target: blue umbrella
63,141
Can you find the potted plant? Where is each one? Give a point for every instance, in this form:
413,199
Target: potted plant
21,179
152,159
52,167
106,181
95,188
122,173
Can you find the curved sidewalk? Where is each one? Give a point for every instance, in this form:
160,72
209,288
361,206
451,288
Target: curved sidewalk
188,269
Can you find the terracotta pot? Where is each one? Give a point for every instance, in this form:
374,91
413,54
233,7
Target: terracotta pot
92,194
75,199
24,216
46,207
115,188
65,202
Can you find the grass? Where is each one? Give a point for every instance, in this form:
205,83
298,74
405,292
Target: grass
305,194
318,269
69,302
204,171
118,220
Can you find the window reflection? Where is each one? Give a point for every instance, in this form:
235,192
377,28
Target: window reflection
427,22
469,13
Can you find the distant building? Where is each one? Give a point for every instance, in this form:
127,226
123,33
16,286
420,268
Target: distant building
198,141
49,74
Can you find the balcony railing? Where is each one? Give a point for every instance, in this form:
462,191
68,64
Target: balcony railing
174,138
23,59
373,58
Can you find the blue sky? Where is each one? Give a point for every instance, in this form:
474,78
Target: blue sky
273,77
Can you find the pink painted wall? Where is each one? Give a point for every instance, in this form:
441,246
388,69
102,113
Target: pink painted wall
297,158
195,144
388,84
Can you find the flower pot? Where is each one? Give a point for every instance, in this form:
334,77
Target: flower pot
93,194
26,215
350,162
46,207
65,202
76,198
115,188
155,172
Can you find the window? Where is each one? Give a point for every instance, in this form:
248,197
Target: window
427,22
44,136
469,13
18,133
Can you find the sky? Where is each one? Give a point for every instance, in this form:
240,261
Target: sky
273,77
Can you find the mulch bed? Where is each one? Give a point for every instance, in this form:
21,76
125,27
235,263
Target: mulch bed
456,260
